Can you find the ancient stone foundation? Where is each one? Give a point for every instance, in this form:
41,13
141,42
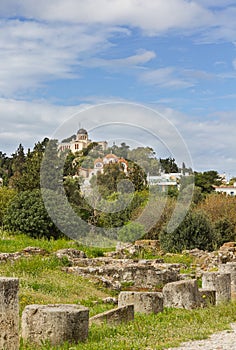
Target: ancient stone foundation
230,267
220,282
182,294
114,316
55,323
9,313
144,302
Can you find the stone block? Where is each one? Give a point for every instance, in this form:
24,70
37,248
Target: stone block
56,323
144,302
114,316
182,294
207,297
220,282
9,313
230,267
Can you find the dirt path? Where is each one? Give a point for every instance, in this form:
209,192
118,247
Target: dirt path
225,340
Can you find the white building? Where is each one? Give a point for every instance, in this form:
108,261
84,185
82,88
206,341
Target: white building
228,190
80,142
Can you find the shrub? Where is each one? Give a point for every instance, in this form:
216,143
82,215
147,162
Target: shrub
225,231
195,231
6,196
27,214
131,232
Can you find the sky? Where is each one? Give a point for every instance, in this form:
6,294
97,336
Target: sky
62,60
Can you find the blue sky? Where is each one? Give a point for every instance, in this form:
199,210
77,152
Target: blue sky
177,57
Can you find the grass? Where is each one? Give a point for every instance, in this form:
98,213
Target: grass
42,281
185,259
11,244
160,331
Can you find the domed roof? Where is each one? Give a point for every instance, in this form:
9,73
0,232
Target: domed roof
82,131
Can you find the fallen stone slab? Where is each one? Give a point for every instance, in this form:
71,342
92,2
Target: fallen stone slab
114,316
144,302
55,323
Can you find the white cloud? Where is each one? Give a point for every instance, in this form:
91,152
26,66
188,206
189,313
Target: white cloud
134,61
211,142
28,122
152,15
210,139
60,36
32,53
167,77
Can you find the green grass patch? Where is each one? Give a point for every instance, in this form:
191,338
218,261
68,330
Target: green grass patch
15,243
42,281
160,331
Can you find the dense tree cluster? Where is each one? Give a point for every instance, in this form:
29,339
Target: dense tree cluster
117,199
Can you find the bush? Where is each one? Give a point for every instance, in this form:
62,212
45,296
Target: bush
27,214
195,231
225,231
6,196
131,232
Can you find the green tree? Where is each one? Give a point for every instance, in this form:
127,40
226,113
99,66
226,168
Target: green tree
108,181
17,166
195,231
70,166
6,196
27,214
5,167
169,165
137,176
145,158
225,231
52,167
30,178
207,180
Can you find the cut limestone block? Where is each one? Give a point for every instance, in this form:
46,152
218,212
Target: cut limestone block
230,267
182,294
220,282
144,302
9,313
55,323
114,316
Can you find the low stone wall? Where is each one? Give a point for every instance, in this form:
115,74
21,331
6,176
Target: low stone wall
9,313
140,273
55,323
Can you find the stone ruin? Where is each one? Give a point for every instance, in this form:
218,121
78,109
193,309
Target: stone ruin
115,273
9,313
60,323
